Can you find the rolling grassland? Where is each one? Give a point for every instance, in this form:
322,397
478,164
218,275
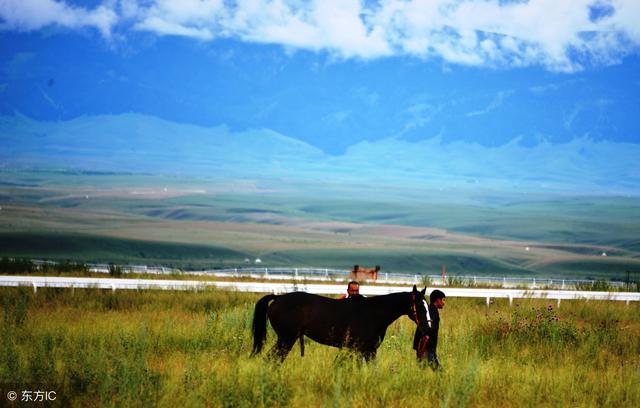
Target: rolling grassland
148,348
208,223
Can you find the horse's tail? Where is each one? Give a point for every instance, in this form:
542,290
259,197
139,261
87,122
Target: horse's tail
259,326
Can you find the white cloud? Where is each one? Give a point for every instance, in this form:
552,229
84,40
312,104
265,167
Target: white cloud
168,27
189,18
571,116
334,25
626,18
544,89
420,114
560,35
494,104
365,95
27,15
337,117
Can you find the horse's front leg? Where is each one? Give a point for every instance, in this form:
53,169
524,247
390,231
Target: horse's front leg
366,351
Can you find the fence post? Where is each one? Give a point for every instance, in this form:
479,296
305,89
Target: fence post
558,303
510,300
35,287
488,300
113,287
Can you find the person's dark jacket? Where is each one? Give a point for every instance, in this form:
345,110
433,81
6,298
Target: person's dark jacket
432,332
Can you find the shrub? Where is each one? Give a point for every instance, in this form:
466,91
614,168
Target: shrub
458,281
599,285
541,325
16,265
115,270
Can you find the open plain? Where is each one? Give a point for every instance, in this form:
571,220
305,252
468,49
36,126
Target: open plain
206,223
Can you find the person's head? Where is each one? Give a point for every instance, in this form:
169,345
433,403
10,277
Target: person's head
353,289
437,298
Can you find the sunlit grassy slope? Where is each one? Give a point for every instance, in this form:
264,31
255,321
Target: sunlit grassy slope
204,223
96,248
147,348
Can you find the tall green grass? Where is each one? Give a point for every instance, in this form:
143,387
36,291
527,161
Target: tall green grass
148,348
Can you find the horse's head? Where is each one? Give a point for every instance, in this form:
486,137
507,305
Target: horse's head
418,307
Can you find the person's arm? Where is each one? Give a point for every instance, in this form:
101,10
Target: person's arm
427,326
422,346
426,330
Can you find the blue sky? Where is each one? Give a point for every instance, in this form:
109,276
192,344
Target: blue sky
334,73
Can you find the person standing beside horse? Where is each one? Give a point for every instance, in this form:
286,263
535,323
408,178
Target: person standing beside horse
353,290
425,341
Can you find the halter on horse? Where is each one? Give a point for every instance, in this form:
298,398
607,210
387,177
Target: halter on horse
359,324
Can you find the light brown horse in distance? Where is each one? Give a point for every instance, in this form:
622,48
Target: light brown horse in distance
359,273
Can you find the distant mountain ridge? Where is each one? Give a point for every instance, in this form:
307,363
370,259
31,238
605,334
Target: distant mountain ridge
140,143
581,164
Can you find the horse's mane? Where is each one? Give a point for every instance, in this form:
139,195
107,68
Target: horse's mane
390,298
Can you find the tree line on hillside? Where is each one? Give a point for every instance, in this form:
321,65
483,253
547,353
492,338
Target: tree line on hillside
24,265
27,266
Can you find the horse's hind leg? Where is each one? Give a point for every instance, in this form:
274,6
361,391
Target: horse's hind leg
369,355
282,348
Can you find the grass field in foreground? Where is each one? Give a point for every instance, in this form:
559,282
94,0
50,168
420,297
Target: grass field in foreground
148,348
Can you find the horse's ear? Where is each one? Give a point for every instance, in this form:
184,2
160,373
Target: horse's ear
423,291
415,289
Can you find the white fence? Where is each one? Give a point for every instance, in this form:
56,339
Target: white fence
327,274
36,282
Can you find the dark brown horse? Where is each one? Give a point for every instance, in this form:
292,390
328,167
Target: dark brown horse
359,273
357,323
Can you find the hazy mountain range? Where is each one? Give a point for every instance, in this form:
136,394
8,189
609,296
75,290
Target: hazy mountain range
140,143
